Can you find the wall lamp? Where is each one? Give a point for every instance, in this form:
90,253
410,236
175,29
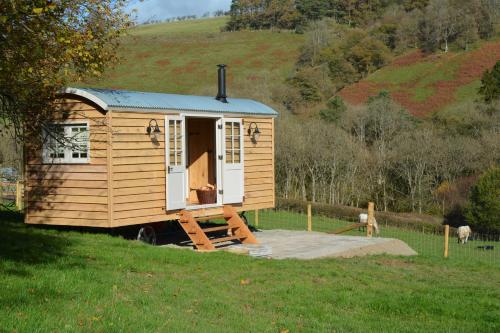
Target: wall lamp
254,132
153,127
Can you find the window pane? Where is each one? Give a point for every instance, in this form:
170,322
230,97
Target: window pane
171,129
78,141
55,141
179,158
229,142
236,144
236,127
237,156
171,158
228,129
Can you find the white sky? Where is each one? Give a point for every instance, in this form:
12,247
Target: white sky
162,9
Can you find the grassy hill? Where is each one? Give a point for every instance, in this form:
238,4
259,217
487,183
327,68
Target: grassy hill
181,57
426,84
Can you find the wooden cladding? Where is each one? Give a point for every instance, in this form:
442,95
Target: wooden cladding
125,181
71,194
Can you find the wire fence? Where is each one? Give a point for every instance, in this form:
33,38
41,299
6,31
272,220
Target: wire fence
428,242
11,194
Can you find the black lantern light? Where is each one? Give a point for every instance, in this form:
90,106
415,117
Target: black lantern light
254,132
153,127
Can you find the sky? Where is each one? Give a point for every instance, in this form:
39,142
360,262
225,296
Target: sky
162,9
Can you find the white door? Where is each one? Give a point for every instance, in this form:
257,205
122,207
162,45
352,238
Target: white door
232,166
175,148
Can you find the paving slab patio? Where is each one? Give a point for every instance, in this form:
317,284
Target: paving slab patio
283,244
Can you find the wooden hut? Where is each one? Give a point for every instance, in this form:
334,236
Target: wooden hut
116,158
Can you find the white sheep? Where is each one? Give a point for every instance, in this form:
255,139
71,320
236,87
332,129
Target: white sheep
363,218
463,234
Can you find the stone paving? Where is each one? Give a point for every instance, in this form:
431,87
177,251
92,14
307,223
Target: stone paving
283,244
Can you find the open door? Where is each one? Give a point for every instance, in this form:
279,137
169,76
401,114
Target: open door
232,166
175,130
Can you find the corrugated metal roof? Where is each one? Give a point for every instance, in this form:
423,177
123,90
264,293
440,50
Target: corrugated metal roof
123,99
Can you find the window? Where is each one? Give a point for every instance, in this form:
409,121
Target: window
233,143
175,142
66,143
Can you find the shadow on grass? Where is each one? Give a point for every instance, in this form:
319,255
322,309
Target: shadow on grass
24,245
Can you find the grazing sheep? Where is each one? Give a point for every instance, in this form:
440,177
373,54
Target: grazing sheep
363,218
463,234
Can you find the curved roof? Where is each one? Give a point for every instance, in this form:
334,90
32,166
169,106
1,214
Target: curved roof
124,99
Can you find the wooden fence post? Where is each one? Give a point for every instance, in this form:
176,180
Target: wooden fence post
369,225
19,195
446,239
256,218
309,217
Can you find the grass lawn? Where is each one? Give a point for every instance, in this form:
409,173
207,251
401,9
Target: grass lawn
54,280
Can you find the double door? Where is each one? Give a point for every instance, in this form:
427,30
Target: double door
229,165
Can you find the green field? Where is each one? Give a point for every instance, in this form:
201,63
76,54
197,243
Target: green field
70,280
181,57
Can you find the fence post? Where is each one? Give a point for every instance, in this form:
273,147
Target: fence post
446,239
18,195
309,217
371,213
256,218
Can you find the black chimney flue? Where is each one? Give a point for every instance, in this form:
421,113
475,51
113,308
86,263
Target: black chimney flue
221,94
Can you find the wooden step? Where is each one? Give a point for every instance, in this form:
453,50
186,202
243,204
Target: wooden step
199,237
212,229
226,239
209,218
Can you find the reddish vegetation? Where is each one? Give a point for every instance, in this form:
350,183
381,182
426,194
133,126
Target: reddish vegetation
409,59
143,55
253,77
190,68
237,62
263,47
256,64
358,93
163,62
471,68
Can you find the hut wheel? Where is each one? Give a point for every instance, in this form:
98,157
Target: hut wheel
147,234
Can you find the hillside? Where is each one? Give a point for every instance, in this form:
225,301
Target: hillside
426,84
181,57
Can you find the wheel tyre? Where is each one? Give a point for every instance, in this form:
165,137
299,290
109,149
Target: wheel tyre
147,234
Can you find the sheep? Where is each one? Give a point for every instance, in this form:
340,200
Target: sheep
363,218
463,234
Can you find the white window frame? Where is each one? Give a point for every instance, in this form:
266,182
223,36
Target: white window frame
68,152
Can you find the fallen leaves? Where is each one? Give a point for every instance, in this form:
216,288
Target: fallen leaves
244,282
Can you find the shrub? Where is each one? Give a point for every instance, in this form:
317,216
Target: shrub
483,210
336,108
490,84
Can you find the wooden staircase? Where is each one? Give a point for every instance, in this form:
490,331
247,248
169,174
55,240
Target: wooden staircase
237,229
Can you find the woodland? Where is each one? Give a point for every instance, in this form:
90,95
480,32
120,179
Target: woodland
331,152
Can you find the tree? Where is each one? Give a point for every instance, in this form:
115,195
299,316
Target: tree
336,108
44,45
490,84
483,210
